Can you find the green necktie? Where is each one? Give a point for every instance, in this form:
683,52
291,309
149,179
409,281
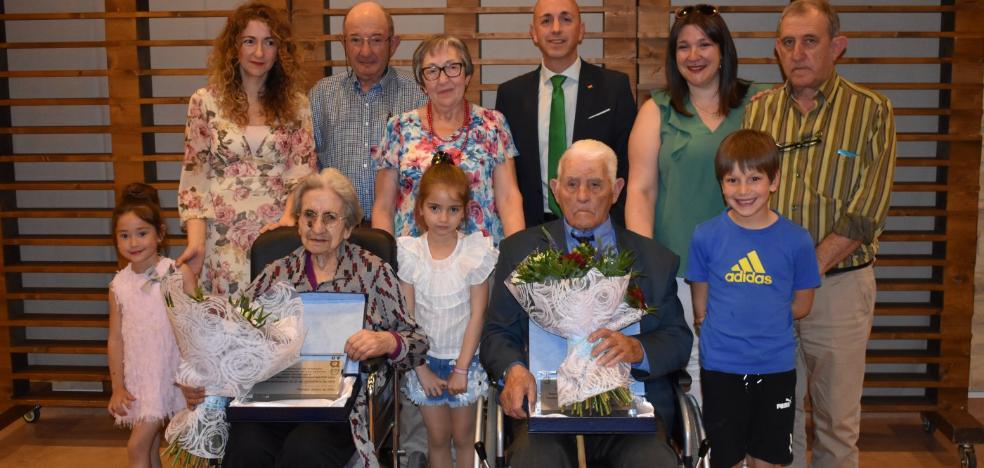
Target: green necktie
557,136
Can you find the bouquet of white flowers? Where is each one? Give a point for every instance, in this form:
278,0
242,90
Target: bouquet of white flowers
226,347
572,295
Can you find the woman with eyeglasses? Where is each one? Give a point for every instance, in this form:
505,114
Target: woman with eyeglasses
248,140
672,187
477,139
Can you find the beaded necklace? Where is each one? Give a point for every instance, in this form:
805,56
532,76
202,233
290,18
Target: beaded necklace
453,136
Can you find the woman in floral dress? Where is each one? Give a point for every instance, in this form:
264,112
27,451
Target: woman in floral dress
248,140
477,139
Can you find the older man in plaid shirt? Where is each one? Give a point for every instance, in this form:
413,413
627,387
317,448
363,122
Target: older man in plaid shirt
350,109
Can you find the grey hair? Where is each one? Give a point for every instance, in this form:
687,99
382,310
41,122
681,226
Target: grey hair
592,150
801,7
331,179
438,42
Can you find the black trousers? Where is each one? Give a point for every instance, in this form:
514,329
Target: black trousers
614,451
288,445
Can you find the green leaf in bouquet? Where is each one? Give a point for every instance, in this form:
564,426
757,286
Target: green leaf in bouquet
601,404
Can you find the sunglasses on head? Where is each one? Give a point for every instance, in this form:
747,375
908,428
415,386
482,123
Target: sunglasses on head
704,9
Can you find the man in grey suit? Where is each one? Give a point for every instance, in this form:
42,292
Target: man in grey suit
564,100
585,189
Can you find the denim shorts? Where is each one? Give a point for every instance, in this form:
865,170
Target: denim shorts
477,384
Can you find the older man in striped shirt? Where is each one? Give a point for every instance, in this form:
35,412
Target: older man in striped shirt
837,141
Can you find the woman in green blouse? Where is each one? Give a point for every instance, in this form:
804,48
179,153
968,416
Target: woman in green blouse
672,187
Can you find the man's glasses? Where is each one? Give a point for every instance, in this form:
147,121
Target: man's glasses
810,141
704,9
374,42
450,70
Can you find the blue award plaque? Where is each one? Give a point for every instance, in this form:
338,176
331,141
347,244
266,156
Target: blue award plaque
304,391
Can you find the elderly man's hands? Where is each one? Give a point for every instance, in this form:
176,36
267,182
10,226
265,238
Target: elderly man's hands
519,384
366,344
614,347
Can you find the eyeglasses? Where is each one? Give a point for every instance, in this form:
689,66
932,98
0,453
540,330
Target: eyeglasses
450,70
374,42
704,9
328,218
810,141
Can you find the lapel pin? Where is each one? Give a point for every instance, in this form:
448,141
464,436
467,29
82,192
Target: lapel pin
590,86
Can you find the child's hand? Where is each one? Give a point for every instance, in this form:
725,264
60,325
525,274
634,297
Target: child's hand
119,403
189,280
457,383
433,386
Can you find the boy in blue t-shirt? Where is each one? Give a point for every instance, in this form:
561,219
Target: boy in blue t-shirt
752,272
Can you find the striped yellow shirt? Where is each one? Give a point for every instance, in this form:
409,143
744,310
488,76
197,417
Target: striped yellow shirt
838,161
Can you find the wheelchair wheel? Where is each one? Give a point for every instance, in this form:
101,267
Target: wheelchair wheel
417,460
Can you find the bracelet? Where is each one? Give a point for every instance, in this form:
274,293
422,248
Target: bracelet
459,371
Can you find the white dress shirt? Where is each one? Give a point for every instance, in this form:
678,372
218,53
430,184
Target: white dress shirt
543,116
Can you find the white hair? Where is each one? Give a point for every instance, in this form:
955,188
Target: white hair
591,150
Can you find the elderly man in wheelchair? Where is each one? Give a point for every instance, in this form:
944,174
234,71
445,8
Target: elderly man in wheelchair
585,189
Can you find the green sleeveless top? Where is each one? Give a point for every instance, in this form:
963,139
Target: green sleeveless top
688,192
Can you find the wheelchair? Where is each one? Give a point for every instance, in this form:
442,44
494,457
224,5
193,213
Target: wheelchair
381,380
687,436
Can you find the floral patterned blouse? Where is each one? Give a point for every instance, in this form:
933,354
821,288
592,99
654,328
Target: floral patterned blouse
359,271
235,188
408,147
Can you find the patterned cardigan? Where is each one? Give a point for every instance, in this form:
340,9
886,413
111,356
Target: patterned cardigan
359,271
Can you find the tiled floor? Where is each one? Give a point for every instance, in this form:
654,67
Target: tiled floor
78,438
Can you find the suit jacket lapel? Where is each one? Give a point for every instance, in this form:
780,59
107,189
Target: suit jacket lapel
530,114
586,95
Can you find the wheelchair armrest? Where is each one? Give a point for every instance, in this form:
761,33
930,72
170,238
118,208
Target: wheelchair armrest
372,365
682,380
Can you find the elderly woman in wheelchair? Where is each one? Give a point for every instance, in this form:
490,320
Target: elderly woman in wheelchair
327,210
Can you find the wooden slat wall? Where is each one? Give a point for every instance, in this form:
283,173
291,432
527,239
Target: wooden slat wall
921,342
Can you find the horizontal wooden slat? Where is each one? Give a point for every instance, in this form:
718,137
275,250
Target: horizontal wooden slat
77,240
55,102
907,309
902,380
57,320
919,187
912,236
898,260
60,267
56,157
894,284
51,73
58,294
882,332
80,373
916,211
56,129
70,213
58,346
907,356
115,15
921,162
64,399
57,185
908,404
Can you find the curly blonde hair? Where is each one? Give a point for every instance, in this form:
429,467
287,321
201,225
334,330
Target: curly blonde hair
282,91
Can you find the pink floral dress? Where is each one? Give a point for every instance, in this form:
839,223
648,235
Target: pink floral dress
237,189
409,148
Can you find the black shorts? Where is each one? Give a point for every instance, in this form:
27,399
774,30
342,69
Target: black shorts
749,414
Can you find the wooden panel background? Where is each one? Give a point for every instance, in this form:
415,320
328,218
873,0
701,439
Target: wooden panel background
52,340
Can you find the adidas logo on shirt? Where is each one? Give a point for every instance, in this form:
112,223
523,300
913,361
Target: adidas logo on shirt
749,269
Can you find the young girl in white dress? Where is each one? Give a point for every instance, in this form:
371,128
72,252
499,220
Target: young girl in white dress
143,355
444,277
